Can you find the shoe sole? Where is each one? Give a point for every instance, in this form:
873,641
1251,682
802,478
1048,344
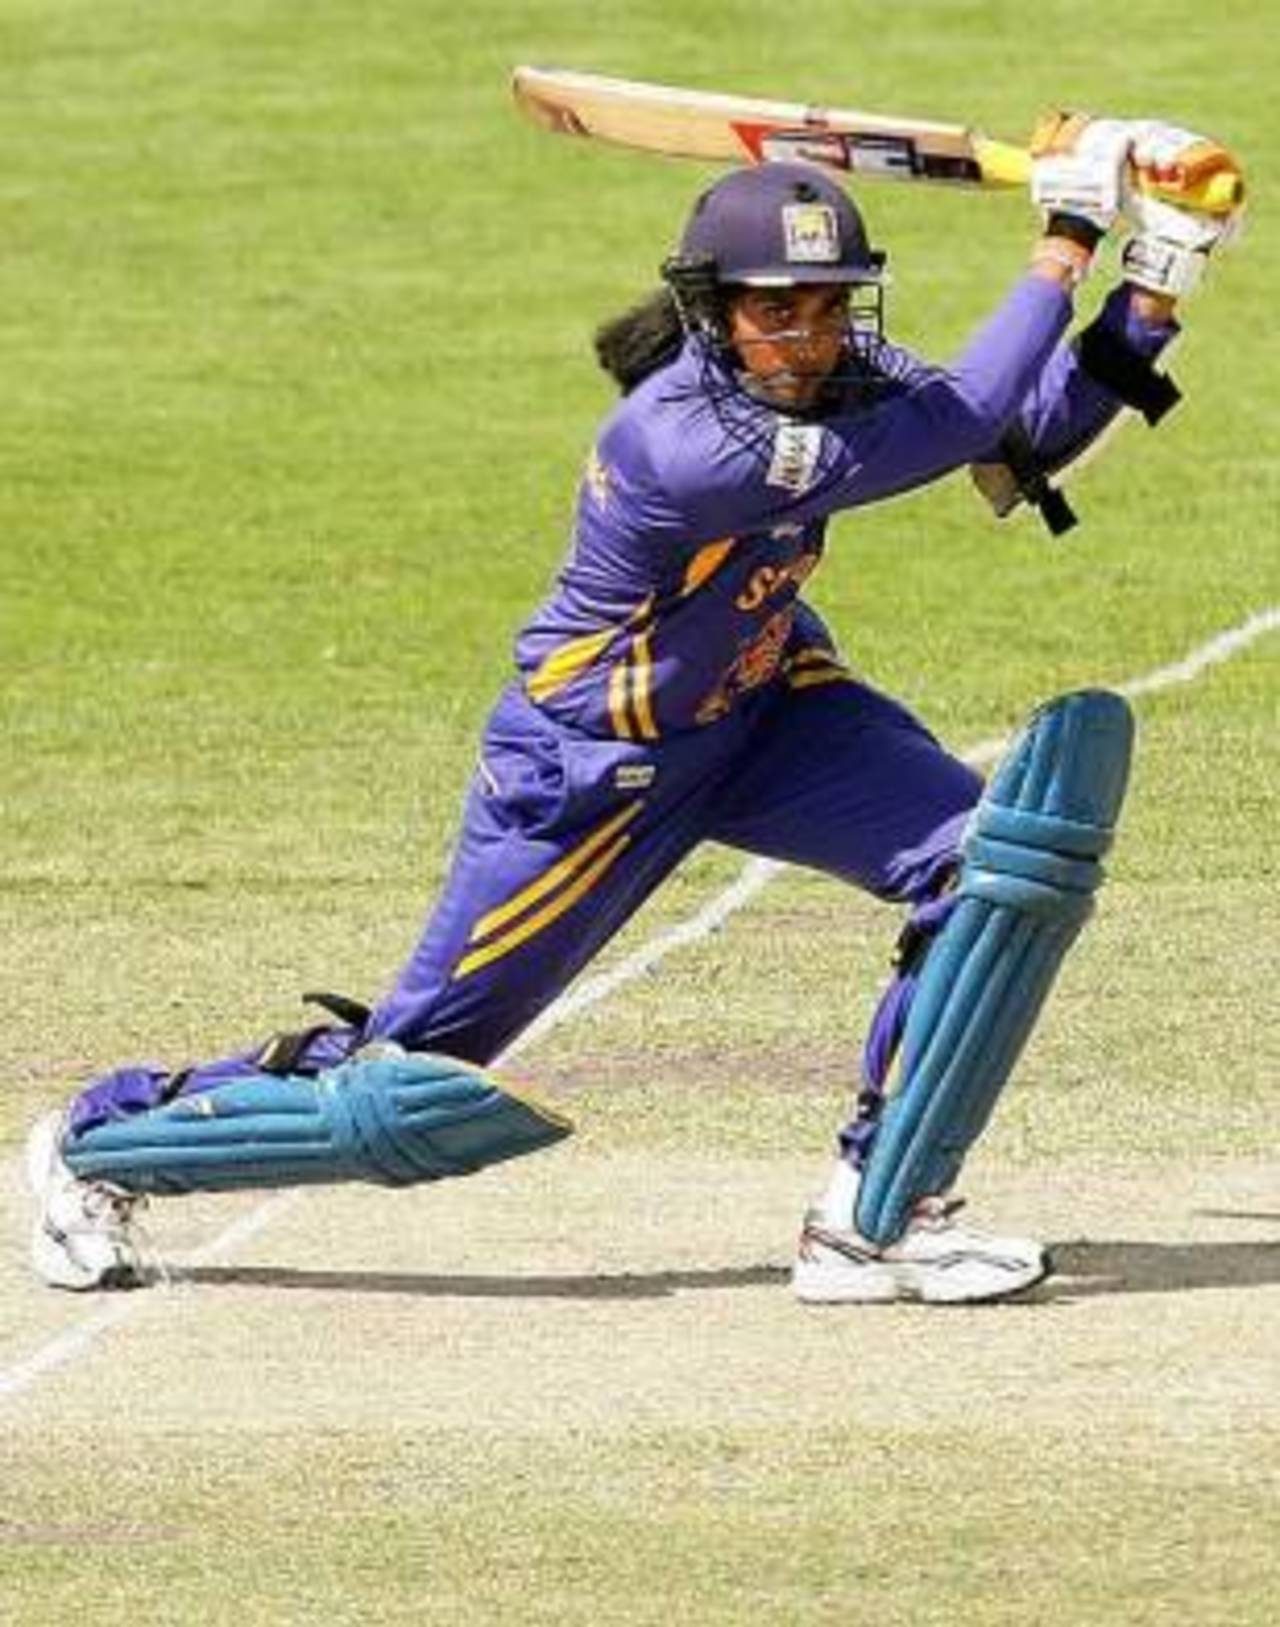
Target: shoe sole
994,1293
868,1285
898,1283
41,1145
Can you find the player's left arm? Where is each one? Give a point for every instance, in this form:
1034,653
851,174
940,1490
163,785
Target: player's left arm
1110,364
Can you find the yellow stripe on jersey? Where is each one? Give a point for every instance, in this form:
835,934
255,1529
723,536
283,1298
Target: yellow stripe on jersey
569,660
641,685
544,917
563,665
705,563
549,880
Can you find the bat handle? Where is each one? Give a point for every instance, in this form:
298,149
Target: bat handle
1002,164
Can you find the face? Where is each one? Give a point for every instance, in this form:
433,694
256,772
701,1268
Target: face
790,339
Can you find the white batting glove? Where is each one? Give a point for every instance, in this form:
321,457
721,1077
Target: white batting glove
1077,168
1172,243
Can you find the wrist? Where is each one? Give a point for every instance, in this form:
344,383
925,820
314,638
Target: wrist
1156,310
1061,260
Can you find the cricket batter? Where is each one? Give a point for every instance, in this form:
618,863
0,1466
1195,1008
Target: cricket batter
675,688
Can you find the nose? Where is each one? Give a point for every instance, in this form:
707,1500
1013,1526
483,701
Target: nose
814,339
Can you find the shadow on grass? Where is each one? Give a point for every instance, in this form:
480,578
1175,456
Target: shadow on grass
1236,1214
462,1285
1083,1270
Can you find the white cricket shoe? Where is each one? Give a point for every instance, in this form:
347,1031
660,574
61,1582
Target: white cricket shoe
82,1237
935,1260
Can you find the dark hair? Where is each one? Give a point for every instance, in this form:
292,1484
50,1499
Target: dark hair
644,338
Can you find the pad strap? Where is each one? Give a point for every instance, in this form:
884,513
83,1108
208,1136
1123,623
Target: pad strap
295,1051
285,1052
352,1012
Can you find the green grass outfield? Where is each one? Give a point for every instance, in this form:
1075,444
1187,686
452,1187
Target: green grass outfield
295,315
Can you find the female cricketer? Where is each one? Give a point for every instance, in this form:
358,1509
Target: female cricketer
675,688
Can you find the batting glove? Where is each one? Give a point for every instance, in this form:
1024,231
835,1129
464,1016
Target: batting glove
1077,173
1171,244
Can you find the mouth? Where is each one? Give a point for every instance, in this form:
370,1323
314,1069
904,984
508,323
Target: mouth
790,388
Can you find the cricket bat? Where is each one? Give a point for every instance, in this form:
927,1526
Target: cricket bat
743,129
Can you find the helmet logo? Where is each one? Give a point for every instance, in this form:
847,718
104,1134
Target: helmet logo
811,234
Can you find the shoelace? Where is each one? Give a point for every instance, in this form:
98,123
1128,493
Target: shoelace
113,1203
937,1210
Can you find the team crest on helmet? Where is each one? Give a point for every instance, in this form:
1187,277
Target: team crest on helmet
812,234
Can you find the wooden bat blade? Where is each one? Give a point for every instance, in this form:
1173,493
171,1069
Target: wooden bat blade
749,130
743,129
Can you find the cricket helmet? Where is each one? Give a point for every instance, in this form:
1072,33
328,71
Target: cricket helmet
776,225
779,224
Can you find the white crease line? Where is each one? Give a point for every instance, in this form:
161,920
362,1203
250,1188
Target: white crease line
1221,648
753,878
65,1347
239,1231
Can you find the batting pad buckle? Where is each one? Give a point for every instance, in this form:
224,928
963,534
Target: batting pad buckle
1029,873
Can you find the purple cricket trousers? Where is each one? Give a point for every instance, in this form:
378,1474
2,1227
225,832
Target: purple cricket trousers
564,837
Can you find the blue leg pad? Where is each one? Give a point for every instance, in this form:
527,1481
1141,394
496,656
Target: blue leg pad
392,1120
1030,869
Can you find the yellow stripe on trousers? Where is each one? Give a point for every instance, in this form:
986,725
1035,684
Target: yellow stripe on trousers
549,880
544,917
